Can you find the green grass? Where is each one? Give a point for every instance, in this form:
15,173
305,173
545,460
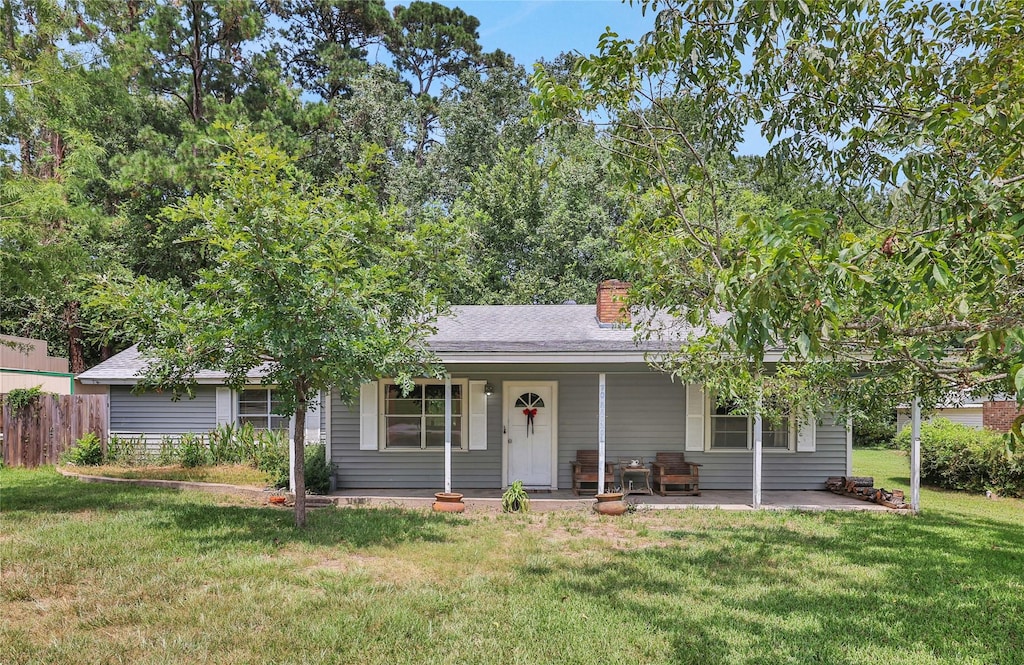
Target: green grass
110,574
230,474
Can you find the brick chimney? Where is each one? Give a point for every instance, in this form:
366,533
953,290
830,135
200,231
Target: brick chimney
611,302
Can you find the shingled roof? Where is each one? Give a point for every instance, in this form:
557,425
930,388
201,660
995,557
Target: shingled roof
472,329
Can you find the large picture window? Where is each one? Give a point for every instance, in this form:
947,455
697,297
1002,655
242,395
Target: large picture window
415,421
732,431
256,406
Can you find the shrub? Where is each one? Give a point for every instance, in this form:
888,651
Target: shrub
232,444
126,451
270,454
874,432
317,470
958,457
168,454
192,450
87,451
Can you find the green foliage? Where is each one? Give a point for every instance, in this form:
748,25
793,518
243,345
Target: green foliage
168,454
87,451
955,456
910,112
874,431
192,451
315,286
317,470
19,399
515,499
126,451
270,455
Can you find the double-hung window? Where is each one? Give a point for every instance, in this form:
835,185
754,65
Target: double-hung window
733,431
415,420
256,406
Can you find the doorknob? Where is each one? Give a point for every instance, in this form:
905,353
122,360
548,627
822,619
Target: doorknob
510,439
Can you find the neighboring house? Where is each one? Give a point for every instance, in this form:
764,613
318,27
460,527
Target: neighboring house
26,363
505,361
995,414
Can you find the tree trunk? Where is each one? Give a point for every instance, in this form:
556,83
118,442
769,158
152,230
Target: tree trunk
197,63
76,352
299,455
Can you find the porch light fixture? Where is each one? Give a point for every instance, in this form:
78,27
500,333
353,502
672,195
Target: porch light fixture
488,389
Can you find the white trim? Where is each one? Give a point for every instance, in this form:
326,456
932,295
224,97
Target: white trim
327,427
382,385
807,434
849,447
270,415
507,387
477,414
757,433
225,406
369,416
556,357
602,393
695,403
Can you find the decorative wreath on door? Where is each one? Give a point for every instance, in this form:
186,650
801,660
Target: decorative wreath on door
529,403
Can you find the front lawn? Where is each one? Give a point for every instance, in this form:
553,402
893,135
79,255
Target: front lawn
111,574
230,474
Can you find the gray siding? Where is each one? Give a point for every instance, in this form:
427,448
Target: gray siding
157,413
972,416
645,414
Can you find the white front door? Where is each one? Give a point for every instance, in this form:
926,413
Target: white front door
530,426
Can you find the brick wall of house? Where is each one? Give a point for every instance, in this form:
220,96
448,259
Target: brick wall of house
999,416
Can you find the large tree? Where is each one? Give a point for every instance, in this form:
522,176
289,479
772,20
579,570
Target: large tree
316,287
918,103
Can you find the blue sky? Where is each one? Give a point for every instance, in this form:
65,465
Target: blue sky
535,29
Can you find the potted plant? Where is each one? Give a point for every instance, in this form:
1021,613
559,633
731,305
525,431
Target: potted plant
515,499
448,502
610,503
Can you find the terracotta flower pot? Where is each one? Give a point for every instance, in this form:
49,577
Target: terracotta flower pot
448,502
277,499
610,503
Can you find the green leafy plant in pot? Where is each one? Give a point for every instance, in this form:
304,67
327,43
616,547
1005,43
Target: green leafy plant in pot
515,499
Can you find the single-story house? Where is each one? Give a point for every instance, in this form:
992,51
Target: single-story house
529,386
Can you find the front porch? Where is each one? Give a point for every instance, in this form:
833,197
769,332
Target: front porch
485,500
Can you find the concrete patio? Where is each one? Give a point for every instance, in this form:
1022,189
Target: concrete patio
541,501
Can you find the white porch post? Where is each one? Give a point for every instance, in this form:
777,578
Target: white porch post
758,436
601,391
447,433
915,456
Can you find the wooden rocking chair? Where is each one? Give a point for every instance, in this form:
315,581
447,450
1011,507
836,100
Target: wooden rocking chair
584,470
672,469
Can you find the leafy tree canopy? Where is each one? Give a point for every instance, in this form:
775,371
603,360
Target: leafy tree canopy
316,287
915,287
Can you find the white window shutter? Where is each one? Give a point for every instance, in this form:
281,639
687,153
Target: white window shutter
805,436
477,415
368,416
313,422
694,418
225,404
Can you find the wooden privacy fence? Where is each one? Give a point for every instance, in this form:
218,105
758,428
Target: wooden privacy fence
39,433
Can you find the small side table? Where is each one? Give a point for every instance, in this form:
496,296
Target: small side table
630,475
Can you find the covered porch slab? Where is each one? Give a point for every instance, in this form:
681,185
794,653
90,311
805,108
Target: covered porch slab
543,501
